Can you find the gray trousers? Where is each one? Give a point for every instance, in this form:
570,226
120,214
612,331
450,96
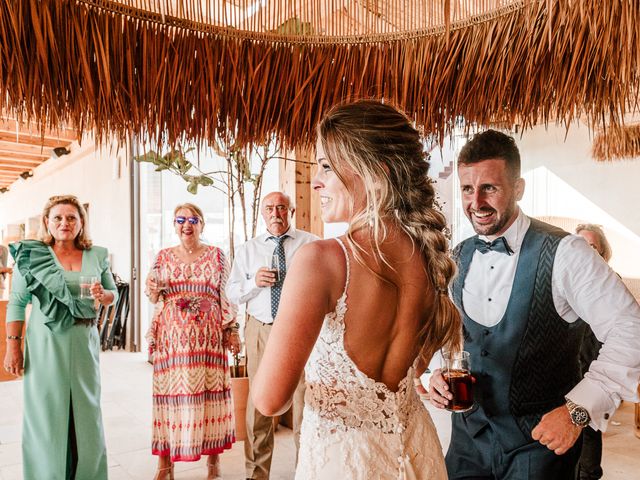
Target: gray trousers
481,457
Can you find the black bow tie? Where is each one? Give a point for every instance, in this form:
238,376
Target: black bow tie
498,245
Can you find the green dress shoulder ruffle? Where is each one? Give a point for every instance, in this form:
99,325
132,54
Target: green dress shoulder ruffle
45,280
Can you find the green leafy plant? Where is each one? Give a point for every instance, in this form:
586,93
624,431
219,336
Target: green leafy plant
245,168
175,161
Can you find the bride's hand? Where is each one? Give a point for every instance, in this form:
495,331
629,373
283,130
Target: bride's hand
439,394
420,390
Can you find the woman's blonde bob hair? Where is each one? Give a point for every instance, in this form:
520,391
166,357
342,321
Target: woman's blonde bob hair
82,240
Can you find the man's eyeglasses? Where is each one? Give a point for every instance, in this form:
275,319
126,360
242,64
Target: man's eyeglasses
192,220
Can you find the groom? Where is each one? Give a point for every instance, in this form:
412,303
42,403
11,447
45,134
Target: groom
522,288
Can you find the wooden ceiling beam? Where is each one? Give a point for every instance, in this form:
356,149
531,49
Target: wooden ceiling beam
22,165
12,126
9,147
21,139
23,158
4,167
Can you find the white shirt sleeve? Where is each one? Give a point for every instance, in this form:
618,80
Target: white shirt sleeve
241,286
585,287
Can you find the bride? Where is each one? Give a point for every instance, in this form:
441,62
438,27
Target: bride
365,312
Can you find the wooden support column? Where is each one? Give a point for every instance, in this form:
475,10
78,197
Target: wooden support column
296,172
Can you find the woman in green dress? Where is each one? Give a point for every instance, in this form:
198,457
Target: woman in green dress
62,435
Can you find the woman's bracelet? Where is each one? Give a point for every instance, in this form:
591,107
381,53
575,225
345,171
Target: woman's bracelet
14,337
233,327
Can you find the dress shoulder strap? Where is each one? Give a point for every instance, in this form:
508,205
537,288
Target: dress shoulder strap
346,256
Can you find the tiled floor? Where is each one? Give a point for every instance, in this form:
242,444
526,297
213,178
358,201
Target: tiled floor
126,407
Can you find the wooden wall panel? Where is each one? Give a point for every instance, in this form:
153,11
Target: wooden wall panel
296,172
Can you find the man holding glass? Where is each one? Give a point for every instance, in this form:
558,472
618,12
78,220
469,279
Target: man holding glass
256,279
523,287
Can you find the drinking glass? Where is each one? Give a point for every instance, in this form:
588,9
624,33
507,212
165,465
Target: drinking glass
161,280
86,282
457,373
273,264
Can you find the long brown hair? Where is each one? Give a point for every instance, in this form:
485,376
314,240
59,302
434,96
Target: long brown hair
82,240
380,145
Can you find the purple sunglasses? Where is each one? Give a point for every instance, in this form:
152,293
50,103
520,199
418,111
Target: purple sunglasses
192,220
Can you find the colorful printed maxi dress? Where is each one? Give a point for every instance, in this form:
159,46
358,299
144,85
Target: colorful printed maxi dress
192,405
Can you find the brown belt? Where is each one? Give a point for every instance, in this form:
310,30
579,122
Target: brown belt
261,323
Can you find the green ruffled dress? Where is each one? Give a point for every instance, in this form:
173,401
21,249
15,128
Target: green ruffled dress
61,367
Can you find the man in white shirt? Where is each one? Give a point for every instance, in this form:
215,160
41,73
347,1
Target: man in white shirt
253,281
523,287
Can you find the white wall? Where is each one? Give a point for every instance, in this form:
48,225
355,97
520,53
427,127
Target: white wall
563,180
94,177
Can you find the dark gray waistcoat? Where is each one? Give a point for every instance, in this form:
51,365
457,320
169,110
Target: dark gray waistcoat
526,363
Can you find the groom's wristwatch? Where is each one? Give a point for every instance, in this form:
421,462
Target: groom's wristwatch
579,415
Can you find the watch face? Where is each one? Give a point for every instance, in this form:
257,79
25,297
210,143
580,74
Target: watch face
580,416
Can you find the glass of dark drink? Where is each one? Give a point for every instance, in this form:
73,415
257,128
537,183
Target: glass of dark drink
274,265
457,373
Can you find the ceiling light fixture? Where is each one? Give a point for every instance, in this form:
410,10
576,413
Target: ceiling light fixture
26,174
4,189
60,151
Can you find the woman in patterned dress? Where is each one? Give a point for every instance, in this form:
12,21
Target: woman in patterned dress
193,325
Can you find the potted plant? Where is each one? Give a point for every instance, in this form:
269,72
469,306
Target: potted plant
240,392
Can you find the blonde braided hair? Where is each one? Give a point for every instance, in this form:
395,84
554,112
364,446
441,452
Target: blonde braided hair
379,144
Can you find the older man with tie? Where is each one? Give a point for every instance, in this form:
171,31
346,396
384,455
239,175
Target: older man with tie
523,287
254,282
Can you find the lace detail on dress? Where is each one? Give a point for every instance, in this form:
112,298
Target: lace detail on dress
363,417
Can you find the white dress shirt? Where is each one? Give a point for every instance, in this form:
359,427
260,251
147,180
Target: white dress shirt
583,286
242,288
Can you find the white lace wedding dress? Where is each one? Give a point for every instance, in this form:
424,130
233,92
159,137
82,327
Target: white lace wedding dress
355,428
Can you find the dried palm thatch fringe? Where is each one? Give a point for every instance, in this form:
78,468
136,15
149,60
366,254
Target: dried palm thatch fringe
173,70
617,143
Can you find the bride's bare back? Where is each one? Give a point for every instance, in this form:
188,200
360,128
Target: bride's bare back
384,318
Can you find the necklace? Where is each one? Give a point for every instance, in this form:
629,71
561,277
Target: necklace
190,251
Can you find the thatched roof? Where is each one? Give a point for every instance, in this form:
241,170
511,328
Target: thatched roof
256,69
617,143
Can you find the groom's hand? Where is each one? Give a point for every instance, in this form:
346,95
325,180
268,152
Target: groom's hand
439,394
556,431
